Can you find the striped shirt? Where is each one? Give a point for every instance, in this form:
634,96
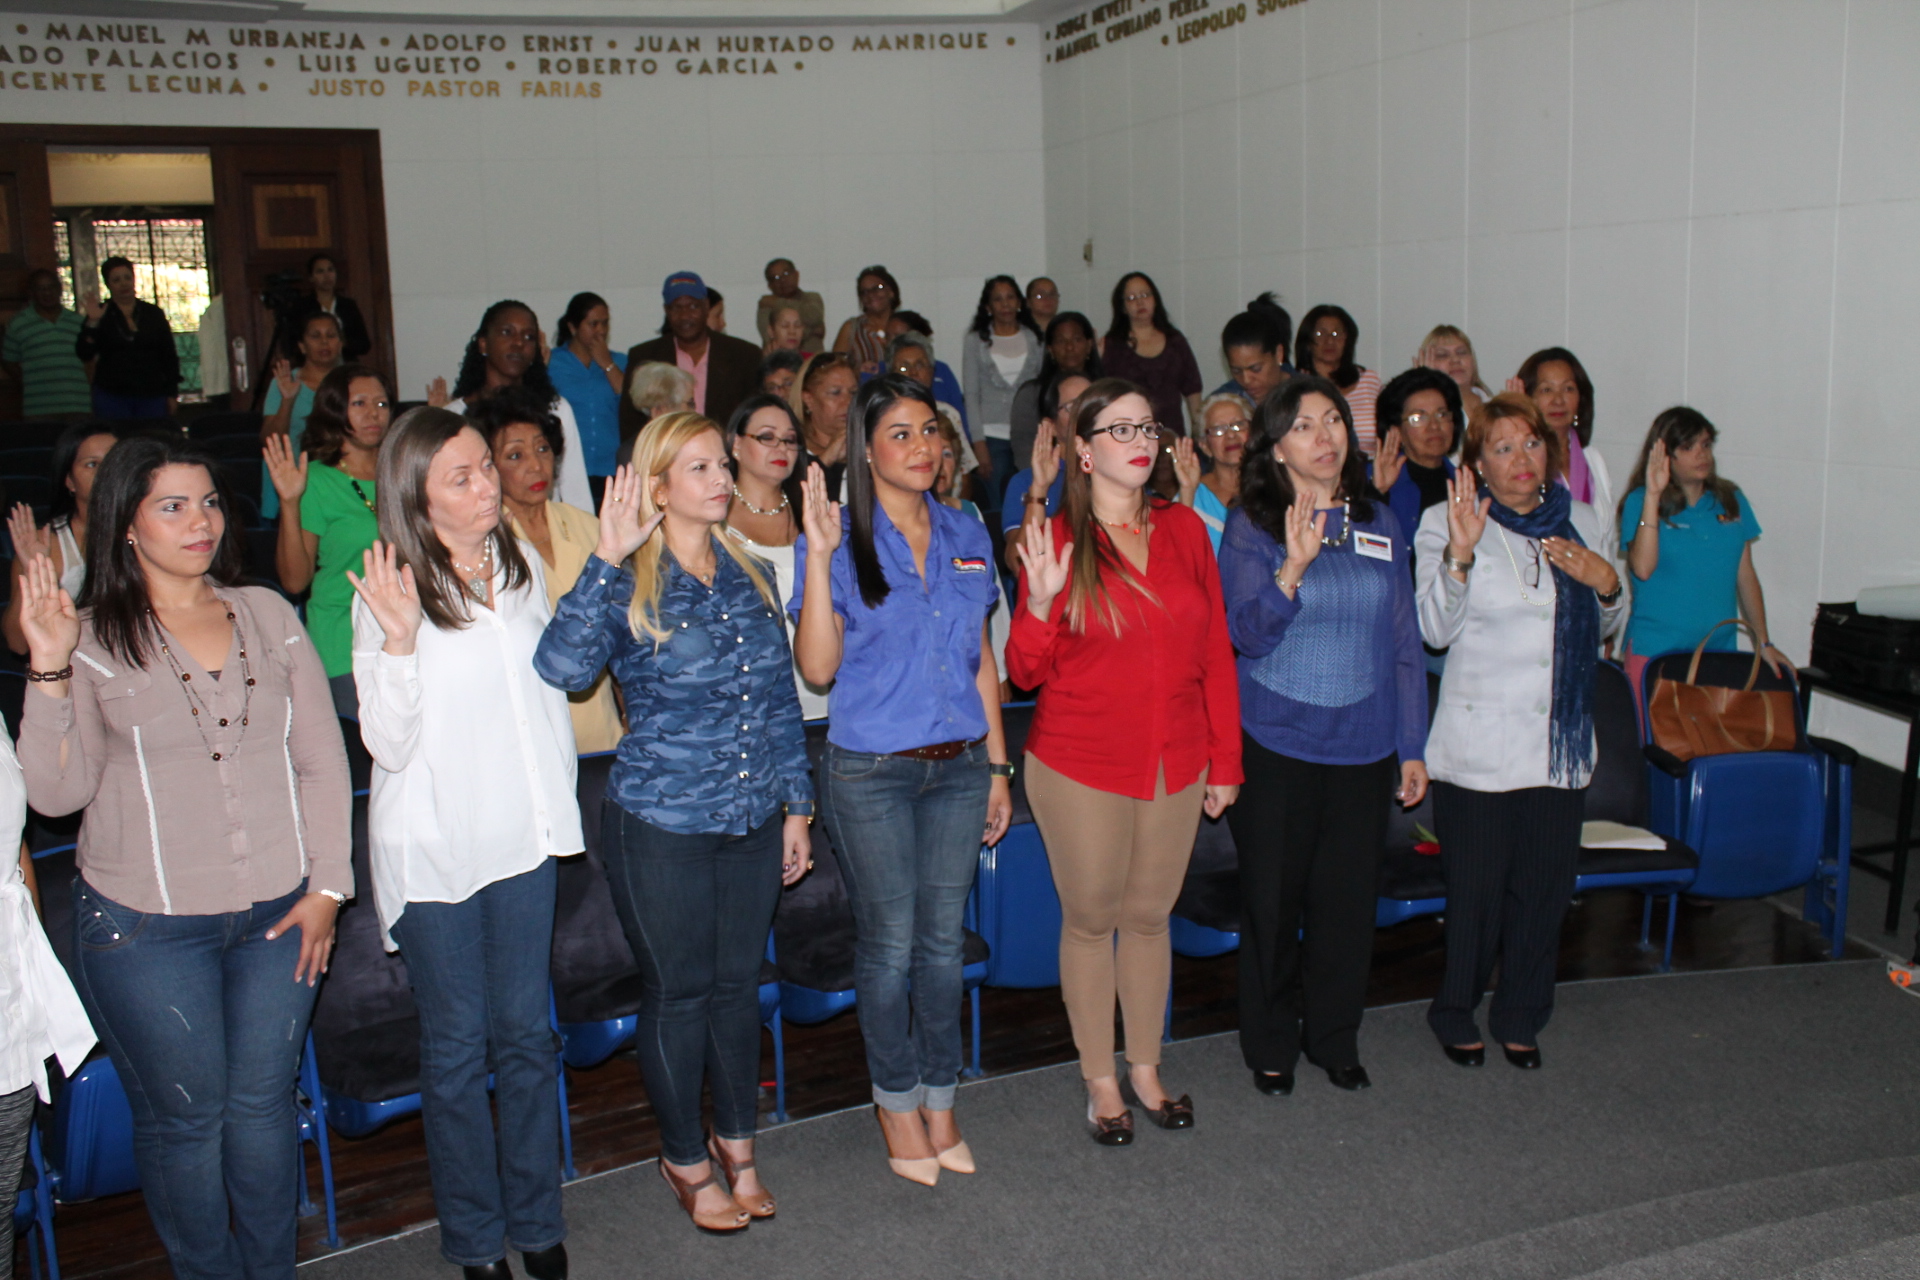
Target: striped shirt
53,377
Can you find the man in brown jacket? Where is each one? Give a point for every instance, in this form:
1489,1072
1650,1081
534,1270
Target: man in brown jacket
724,370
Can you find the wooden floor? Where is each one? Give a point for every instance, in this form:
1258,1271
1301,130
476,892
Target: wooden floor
383,1184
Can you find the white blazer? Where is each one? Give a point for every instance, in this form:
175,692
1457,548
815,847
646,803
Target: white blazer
473,752
1496,695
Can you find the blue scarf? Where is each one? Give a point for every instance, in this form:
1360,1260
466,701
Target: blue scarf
1576,635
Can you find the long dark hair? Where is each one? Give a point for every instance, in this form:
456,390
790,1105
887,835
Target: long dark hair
1529,376
874,398
1680,428
577,307
116,586
1094,555
1121,330
473,365
983,313
326,437
405,455
1348,371
1266,490
66,450
791,487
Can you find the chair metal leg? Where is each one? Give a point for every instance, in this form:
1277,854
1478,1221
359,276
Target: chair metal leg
317,1108
1646,918
1673,918
974,1071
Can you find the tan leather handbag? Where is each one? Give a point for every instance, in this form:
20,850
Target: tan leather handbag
1691,720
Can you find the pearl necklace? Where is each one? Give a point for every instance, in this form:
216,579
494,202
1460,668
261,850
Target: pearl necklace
480,577
785,501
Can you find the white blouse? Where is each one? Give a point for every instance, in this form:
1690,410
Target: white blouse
813,706
1496,695
473,752
40,1016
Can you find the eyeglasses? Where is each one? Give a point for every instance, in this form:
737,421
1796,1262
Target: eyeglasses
1438,418
768,440
1139,297
788,274
1238,427
1124,432
1531,574
874,288
1327,333
1042,295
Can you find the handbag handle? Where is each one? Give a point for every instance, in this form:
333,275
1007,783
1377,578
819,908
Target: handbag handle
1753,676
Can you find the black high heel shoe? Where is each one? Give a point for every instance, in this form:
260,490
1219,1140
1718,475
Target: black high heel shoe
1462,1056
1275,1084
1174,1113
1525,1059
492,1271
546,1264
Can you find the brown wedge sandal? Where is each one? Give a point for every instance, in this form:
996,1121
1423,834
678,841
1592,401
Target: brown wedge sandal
723,1223
760,1206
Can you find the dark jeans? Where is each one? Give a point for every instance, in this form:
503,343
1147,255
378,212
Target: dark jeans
1000,453
1510,858
696,910
479,971
128,408
908,835
1309,837
346,697
205,1025
16,1118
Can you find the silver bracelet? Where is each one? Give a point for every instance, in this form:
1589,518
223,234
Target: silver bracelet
1458,566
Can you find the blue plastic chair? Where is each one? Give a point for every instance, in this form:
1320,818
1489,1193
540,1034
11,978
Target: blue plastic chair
92,1147
309,1109
1762,821
1017,910
33,1216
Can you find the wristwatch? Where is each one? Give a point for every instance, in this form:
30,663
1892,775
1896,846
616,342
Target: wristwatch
1613,595
1001,771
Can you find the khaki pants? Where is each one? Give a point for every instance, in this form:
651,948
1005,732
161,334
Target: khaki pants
1118,864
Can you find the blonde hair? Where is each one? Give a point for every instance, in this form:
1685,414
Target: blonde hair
657,386
1453,333
654,452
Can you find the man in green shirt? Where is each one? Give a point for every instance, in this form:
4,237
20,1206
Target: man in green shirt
39,352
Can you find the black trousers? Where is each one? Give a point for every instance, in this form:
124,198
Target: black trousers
1509,858
1309,837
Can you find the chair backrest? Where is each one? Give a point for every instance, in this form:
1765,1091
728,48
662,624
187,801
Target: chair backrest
1016,719
210,425
1618,792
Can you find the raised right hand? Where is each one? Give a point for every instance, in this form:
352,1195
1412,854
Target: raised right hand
287,471
1659,472
29,539
283,378
437,393
1045,463
1388,460
47,616
91,304
1466,513
621,530
1046,567
1516,387
1306,530
820,516
389,593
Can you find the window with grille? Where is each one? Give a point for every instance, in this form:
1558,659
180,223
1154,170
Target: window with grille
169,257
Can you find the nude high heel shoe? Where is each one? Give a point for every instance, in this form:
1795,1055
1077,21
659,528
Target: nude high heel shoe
925,1171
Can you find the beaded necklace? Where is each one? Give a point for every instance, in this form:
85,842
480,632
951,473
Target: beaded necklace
194,702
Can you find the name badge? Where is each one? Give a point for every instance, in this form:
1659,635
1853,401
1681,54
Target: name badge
969,564
1374,546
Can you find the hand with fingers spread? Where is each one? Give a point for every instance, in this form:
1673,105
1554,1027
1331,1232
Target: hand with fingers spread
389,592
1515,387
286,469
29,539
285,379
1582,564
820,516
1466,515
621,530
1186,468
1045,567
48,620
313,916
1305,529
437,395
1389,460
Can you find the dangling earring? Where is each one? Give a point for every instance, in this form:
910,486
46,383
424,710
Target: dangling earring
1086,462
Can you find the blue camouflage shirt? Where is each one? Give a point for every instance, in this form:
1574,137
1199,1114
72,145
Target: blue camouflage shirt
714,741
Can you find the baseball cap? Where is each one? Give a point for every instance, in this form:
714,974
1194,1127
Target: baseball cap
683,284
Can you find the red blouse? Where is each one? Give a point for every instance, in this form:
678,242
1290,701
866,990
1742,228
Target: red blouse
1114,709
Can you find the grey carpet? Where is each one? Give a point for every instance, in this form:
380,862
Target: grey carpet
1755,1123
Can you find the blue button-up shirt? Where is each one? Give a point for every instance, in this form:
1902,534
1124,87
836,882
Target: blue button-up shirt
714,740
596,406
908,668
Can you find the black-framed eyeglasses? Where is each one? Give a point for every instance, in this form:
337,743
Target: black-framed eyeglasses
1238,427
768,440
1124,432
1531,574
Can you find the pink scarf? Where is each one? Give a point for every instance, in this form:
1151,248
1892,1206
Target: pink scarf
1579,478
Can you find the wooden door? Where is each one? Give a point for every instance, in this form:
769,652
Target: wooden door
26,238
279,204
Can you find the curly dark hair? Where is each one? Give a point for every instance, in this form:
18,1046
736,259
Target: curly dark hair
473,365
1266,490
511,406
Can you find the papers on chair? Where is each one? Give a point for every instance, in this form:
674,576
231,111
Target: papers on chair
1615,835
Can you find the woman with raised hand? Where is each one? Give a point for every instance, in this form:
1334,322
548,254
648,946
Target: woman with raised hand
1137,733
1333,709
189,717
327,521
1506,574
893,614
708,807
77,455
1326,343
290,398
473,799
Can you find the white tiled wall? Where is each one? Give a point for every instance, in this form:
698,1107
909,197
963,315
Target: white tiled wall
1714,202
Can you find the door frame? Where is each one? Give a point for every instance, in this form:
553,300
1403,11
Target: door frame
374,293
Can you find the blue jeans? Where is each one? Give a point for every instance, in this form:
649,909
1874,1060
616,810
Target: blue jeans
908,835
205,1025
479,971
119,408
1000,454
696,910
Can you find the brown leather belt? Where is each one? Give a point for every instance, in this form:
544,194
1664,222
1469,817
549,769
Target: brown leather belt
940,750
